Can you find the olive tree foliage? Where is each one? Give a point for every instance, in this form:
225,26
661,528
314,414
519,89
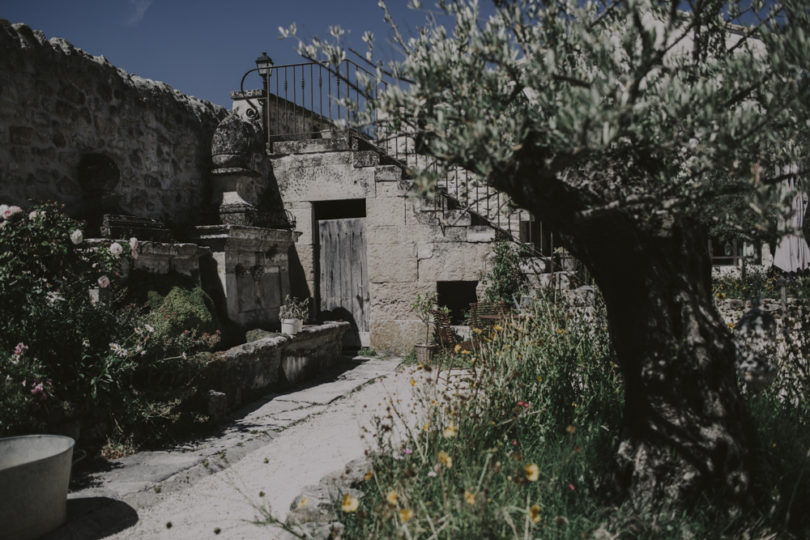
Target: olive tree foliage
653,109
634,127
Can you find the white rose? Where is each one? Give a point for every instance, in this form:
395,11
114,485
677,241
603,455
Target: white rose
133,243
103,282
116,249
33,214
77,237
11,211
3,208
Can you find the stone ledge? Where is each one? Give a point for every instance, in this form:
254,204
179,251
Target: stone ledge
311,146
251,369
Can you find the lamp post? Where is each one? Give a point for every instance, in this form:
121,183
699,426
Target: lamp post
264,65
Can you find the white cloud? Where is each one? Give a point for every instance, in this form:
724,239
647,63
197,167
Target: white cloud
139,10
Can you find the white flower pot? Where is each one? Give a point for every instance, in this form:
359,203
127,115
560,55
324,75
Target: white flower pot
34,476
291,326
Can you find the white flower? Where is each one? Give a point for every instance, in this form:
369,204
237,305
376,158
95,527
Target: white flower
77,237
11,211
3,208
103,282
149,328
133,243
118,350
33,214
116,249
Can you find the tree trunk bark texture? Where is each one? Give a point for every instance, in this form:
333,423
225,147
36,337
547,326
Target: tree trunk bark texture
685,424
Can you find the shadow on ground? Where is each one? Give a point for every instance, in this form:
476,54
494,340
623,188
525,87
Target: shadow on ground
90,518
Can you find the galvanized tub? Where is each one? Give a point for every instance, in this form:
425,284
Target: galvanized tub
34,476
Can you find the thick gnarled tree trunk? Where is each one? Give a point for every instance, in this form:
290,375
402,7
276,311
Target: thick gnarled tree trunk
685,425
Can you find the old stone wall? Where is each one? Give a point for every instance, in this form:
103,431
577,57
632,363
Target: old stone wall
76,129
410,244
246,371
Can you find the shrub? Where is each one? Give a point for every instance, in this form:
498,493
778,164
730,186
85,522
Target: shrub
505,281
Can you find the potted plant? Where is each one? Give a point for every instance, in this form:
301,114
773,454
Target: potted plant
423,305
292,313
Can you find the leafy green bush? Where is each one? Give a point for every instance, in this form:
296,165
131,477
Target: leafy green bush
759,284
67,354
504,281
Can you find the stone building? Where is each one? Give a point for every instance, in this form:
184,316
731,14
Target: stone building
318,212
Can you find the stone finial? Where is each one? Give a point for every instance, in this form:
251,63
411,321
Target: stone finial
233,143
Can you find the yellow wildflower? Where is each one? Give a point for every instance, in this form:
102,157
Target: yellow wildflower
532,472
450,431
534,513
368,476
445,459
497,327
457,348
560,331
302,502
571,430
426,427
731,325
477,330
350,503
469,498
413,382
392,498
465,352
406,514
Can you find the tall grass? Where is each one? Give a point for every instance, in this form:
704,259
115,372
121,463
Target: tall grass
519,443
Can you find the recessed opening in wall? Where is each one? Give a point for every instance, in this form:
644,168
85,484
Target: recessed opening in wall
98,177
343,208
456,295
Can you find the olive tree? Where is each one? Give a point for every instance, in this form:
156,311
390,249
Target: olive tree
632,127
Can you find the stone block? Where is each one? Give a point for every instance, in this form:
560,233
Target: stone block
366,158
388,234
393,300
385,211
387,173
451,261
390,189
396,336
480,233
322,177
392,262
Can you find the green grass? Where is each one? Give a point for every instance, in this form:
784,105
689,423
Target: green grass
519,444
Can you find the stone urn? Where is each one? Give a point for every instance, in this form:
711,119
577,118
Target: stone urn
291,326
34,476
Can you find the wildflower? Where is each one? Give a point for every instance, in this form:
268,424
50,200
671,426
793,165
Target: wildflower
349,503
477,330
560,331
118,350
539,379
523,404
571,430
20,348
432,474
151,329
407,451
103,282
38,391
302,502
534,513
731,325
426,426
413,382
469,498
445,459
497,327
532,472
571,487
116,249
85,343
465,351
392,498
450,431
77,237
368,476
33,215
457,348
406,514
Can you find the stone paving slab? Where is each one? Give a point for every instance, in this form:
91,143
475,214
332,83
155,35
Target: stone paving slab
136,482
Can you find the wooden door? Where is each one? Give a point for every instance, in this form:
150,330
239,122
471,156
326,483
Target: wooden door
343,281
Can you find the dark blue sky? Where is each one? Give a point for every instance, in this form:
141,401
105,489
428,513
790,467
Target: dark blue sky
202,47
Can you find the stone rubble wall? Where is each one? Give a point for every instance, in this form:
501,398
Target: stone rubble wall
58,103
246,371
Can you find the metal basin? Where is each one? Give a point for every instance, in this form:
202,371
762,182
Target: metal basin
34,476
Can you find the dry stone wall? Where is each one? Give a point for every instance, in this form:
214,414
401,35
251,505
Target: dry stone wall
76,129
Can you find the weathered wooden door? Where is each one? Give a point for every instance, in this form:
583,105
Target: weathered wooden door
343,278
